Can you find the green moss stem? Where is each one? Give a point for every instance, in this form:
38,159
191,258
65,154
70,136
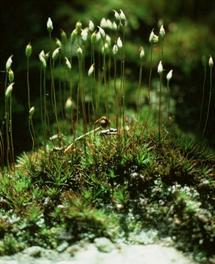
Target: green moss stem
203,93
82,93
139,85
105,86
159,109
150,75
209,103
54,101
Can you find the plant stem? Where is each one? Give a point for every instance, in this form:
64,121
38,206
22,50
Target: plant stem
203,93
41,101
209,103
9,136
168,102
32,132
28,85
150,76
159,110
123,97
94,108
98,112
139,85
29,97
5,123
52,65
82,93
68,148
116,95
61,95
46,116
105,86
162,49
1,147
122,81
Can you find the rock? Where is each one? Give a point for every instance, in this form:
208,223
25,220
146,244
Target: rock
34,251
145,237
103,244
49,254
72,250
62,247
91,254
138,254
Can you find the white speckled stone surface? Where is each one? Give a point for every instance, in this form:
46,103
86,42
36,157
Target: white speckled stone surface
120,254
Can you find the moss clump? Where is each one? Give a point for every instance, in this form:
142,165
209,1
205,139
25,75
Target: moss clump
90,192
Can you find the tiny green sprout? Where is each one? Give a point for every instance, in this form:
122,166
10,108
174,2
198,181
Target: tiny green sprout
109,24
9,63
91,26
93,37
105,48
79,52
9,90
78,27
84,34
47,55
28,50
42,53
49,25
169,75
142,53
98,36
117,15
115,49
108,39
68,63
114,26
63,35
153,38
103,23
160,72
31,125
42,58
58,42
68,104
106,23
119,42
10,75
162,32
74,34
31,112
211,62
160,68
122,15
102,32
91,70
55,54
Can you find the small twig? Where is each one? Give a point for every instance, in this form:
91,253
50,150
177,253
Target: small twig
103,123
68,148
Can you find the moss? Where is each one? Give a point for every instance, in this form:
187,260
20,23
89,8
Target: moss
75,196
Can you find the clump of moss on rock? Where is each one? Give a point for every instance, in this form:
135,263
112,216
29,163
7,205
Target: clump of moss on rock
89,193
